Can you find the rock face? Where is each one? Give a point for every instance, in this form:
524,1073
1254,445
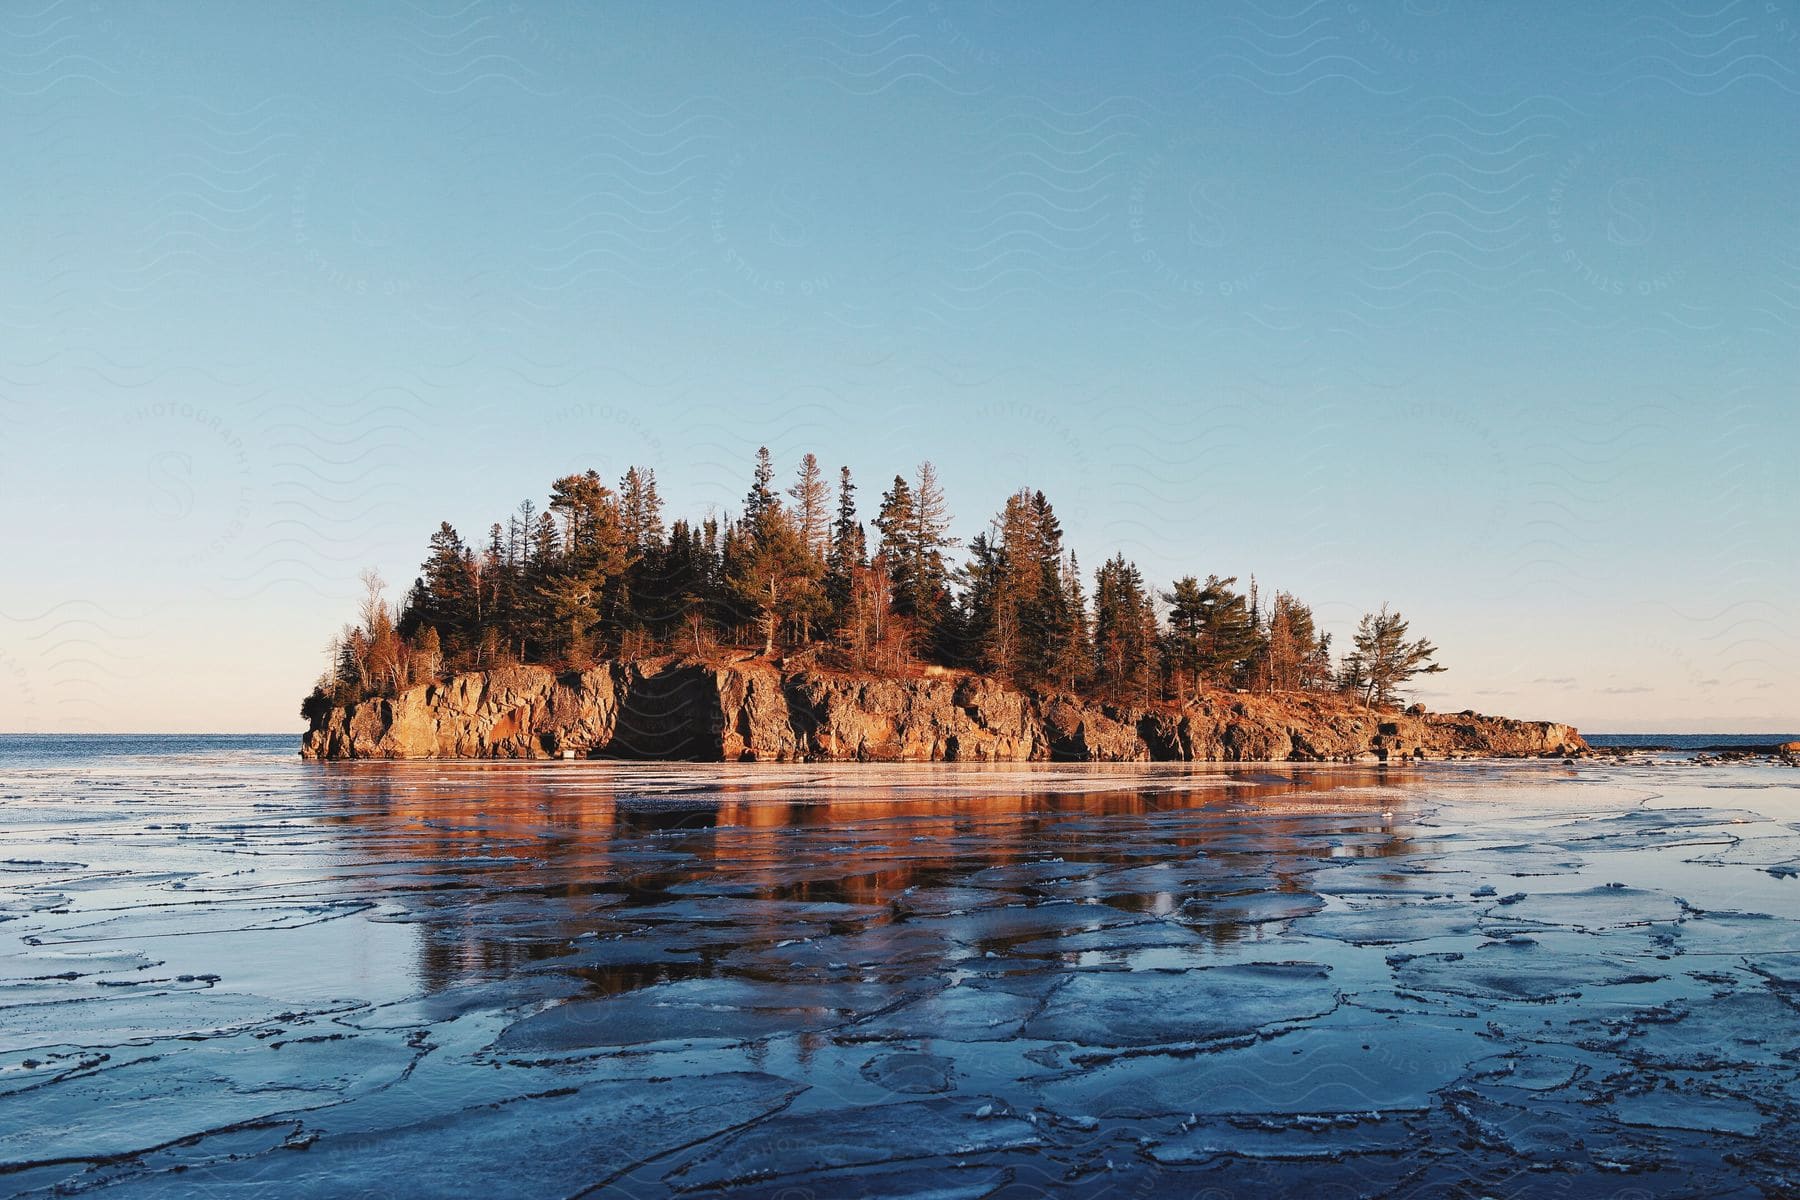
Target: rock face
755,711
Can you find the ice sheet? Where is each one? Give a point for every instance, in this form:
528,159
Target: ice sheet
246,975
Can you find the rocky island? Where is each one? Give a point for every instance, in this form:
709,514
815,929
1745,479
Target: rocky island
750,709
586,629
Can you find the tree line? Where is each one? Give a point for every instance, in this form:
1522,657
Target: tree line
596,573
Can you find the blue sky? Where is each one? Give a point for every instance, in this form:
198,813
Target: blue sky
1487,310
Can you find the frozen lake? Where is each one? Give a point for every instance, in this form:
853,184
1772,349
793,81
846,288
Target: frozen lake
227,972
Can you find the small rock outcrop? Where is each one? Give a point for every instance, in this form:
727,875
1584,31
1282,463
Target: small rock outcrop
754,710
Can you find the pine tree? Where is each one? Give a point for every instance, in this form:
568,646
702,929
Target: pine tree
584,589
1070,667
687,586
496,577
1124,631
772,572
447,595
640,512
519,530
635,593
1256,654
849,552
595,569
1384,660
978,640
570,606
1005,578
1046,621
1231,631
812,499
1316,669
914,522
1212,636
593,540
847,544
928,596
760,498
1287,656
537,632
896,522
1019,617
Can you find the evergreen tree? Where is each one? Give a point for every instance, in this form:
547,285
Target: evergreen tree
689,587
538,631
595,570
1212,636
545,549
1124,631
593,540
1316,670
583,588
1073,654
1384,660
640,512
1287,658
447,595
914,522
847,542
1006,577
1353,674
927,598
979,640
1047,621
1020,618
895,521
1185,655
1256,654
520,529
772,572
570,610
495,577
636,592
811,507
760,498
1232,635
849,551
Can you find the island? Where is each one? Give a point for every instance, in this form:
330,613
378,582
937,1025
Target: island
789,634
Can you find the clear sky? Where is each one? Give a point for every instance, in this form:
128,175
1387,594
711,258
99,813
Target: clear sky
1490,310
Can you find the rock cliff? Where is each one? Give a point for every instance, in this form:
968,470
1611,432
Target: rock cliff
754,710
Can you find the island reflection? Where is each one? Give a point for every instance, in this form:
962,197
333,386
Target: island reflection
625,877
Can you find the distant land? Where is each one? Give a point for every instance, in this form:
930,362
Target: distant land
1767,743
795,630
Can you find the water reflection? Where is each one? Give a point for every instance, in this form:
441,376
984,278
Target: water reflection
626,877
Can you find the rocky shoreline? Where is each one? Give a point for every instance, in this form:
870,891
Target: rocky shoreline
756,710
